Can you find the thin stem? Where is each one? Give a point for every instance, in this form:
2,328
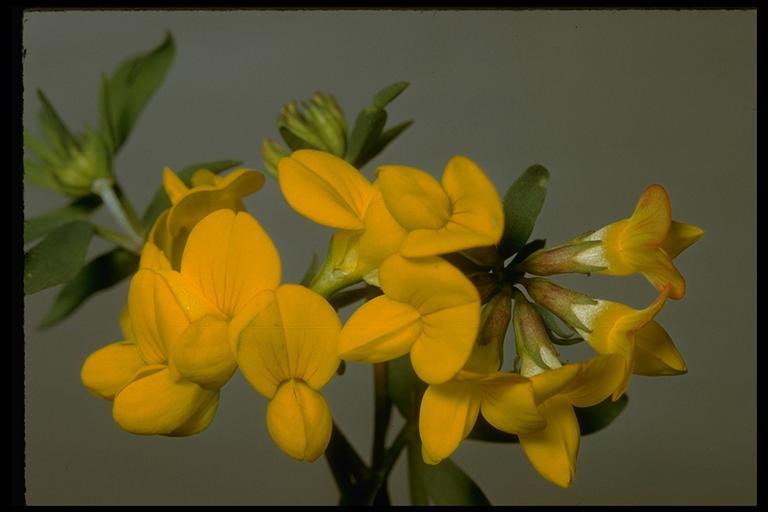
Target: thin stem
347,468
105,190
382,413
118,239
130,212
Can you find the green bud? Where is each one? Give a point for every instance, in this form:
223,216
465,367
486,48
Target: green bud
488,353
319,124
272,152
86,164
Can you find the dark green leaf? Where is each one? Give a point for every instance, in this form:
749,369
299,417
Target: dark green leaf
528,249
591,420
597,417
99,274
404,386
80,209
57,133
58,257
382,142
368,127
385,96
125,94
447,484
160,200
522,204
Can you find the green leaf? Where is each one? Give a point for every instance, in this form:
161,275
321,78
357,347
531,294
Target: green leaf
522,204
125,94
58,257
56,131
591,420
445,483
596,418
368,127
80,209
382,142
404,386
99,274
385,96
160,200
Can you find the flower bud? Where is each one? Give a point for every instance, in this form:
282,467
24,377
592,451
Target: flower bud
560,260
558,300
319,124
534,347
85,163
272,152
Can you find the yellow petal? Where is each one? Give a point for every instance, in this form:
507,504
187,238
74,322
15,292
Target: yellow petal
290,333
452,237
449,306
655,353
189,297
553,382
174,187
110,368
509,403
324,188
299,421
230,258
201,201
258,343
202,354
153,403
650,221
598,378
476,204
446,341
156,316
448,413
429,284
414,197
382,235
125,324
680,237
553,450
379,330
153,258
204,177
658,268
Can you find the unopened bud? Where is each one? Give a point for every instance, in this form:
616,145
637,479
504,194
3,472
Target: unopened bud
272,152
558,300
318,125
86,163
560,260
486,285
534,348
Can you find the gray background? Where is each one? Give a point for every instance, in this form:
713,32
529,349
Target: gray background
609,101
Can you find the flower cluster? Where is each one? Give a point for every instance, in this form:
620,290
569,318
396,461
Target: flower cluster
207,300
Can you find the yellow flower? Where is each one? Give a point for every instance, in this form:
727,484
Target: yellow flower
329,191
285,341
552,450
614,328
461,213
180,322
428,308
189,205
645,243
449,410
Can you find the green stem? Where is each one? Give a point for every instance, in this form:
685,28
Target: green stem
130,212
118,239
347,467
344,298
104,188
